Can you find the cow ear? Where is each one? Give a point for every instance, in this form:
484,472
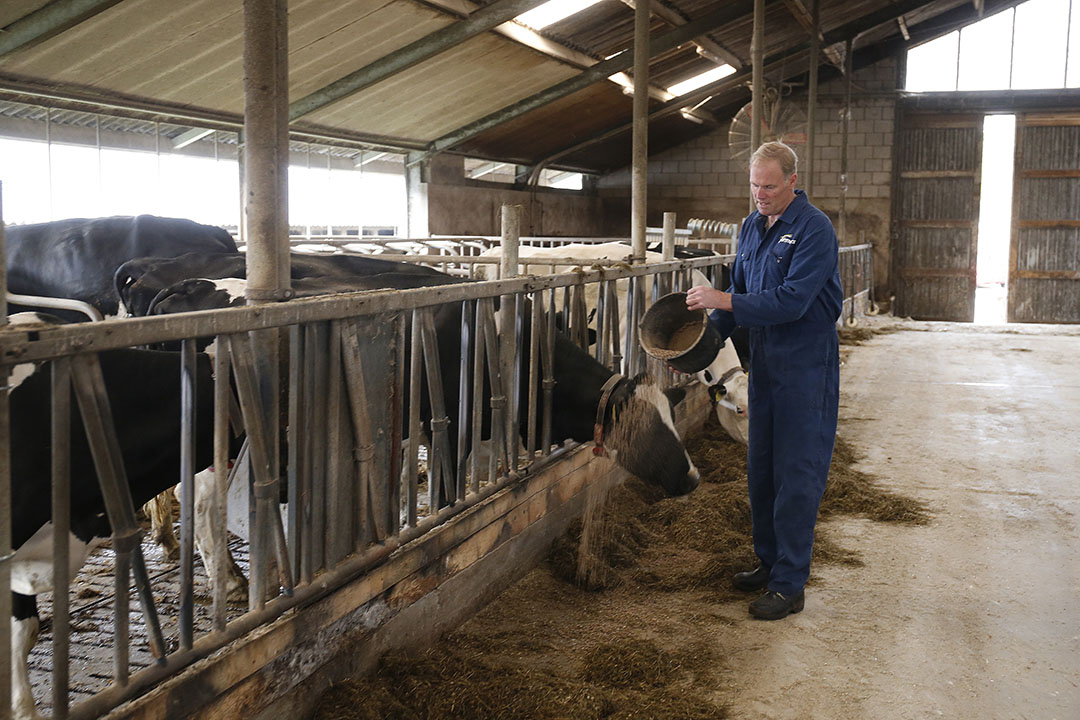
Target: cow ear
675,395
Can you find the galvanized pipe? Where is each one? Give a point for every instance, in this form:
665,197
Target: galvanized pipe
757,86
548,360
299,426
398,413
186,621
467,337
415,354
478,393
811,102
5,491
534,374
668,251
315,505
639,157
336,540
61,520
510,240
218,519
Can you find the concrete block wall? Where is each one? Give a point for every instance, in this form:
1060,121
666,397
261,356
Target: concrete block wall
701,178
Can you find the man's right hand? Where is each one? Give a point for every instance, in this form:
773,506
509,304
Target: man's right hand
703,297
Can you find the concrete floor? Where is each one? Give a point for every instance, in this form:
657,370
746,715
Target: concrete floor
976,615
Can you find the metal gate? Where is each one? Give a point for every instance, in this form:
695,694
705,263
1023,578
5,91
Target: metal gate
1044,252
939,162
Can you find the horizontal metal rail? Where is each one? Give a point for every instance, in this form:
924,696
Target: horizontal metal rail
18,345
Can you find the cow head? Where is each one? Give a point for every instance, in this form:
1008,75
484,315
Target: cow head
641,432
729,389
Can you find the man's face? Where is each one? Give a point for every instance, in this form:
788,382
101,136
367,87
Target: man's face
772,192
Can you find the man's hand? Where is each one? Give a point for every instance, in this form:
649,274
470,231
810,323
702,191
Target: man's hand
703,297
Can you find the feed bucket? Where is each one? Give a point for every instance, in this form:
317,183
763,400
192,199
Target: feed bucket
681,337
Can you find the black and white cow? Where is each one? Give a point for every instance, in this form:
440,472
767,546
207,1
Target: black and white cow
138,281
143,391
77,258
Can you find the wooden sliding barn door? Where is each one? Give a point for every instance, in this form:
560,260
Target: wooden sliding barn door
1044,253
939,162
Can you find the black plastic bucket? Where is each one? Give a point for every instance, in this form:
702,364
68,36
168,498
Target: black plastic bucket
681,337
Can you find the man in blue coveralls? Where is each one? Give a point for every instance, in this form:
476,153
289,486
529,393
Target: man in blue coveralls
785,288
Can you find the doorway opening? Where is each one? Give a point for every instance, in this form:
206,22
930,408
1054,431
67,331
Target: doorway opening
995,220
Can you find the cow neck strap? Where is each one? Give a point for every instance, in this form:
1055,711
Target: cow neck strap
601,410
730,374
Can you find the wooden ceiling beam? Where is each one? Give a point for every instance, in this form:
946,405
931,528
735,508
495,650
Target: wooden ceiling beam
706,46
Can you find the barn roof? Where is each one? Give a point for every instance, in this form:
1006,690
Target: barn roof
441,75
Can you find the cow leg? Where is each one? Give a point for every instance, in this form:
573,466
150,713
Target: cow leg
24,633
205,540
160,511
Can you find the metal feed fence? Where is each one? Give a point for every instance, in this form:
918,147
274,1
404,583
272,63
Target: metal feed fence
362,374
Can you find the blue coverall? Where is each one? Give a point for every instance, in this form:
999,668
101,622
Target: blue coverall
786,291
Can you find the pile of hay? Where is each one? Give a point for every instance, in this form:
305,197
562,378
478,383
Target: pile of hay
558,646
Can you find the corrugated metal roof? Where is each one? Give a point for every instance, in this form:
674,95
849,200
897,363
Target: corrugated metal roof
188,56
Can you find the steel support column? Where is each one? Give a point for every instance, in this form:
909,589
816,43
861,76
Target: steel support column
811,102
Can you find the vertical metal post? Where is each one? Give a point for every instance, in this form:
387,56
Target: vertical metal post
478,396
811,102
61,519
511,238
640,142
757,87
5,493
668,251
464,377
415,351
186,620
845,121
222,397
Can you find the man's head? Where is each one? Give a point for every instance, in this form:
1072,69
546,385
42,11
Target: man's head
772,177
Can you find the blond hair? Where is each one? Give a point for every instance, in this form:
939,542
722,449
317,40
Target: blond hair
780,152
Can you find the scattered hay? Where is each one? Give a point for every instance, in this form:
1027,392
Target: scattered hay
547,651
853,492
859,335
614,681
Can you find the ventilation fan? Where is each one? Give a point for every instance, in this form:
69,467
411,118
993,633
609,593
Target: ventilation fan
783,121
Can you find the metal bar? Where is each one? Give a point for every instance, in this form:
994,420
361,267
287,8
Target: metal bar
757,85
315,504
54,303
509,242
478,397
262,481
112,478
548,361
812,93
61,520
337,538
614,334
19,345
186,620
440,471
398,412
601,71
668,251
639,151
534,373
514,439
218,520
479,21
372,502
413,459
602,328
298,428
498,390
467,336
47,21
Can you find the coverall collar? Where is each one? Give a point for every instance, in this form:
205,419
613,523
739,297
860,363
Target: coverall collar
791,212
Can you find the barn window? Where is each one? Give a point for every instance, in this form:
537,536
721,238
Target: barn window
1032,46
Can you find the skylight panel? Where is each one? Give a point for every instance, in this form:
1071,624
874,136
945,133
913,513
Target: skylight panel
709,76
552,12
